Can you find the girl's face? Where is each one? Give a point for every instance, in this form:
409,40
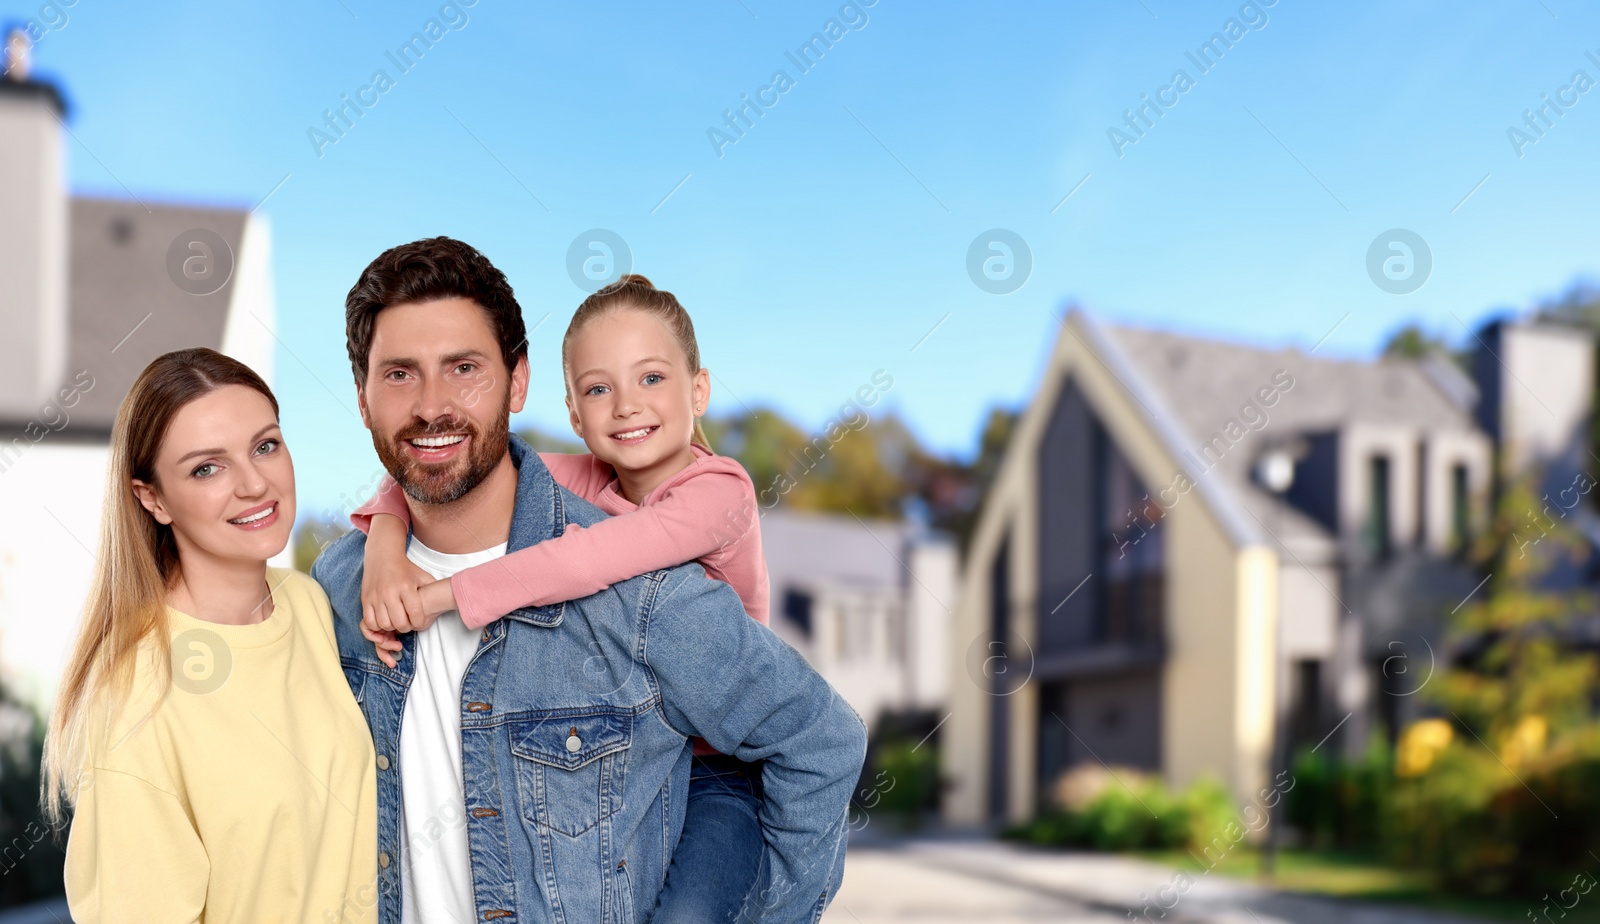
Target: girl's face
631,395
223,480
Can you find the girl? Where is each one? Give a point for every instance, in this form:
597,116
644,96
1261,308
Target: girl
219,766
635,392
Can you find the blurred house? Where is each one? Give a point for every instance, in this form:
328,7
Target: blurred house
87,300
867,604
1199,555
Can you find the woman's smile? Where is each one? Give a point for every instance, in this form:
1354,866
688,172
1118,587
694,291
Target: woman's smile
260,516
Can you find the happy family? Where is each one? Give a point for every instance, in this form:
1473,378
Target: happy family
528,687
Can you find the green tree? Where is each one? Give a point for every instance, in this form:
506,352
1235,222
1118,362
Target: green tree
1507,798
544,441
313,535
765,443
1522,664
1412,342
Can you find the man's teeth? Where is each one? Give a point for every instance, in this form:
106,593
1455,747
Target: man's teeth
435,442
255,516
632,434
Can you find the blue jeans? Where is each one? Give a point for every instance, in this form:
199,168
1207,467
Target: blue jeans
719,853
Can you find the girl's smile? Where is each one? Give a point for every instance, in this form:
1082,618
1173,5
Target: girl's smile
636,436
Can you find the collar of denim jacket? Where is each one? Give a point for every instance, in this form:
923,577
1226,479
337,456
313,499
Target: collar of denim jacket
536,516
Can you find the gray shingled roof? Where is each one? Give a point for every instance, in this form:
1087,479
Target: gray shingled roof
1204,383
118,285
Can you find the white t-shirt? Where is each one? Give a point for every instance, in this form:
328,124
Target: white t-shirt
436,869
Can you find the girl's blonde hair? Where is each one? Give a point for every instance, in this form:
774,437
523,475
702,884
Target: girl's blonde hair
137,564
636,293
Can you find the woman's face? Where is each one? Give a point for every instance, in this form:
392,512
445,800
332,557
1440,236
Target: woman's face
223,478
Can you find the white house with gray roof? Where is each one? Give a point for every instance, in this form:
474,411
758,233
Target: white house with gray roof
87,301
1198,554
867,602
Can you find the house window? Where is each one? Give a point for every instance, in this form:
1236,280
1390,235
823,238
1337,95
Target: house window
1375,535
797,609
1460,513
862,622
1305,710
1131,528
999,705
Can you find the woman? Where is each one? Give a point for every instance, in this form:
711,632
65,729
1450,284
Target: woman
218,766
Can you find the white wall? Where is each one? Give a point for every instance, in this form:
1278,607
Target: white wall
50,503
252,315
1308,612
930,598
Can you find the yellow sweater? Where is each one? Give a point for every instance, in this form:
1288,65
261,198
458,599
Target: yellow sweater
248,795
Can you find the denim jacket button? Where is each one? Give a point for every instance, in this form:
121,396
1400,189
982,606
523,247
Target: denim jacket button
574,743
383,859
383,761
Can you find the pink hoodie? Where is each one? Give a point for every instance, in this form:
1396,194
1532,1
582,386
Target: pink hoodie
706,512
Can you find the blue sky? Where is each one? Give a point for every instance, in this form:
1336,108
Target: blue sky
833,236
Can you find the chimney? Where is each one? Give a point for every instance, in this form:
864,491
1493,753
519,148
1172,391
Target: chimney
1536,382
33,237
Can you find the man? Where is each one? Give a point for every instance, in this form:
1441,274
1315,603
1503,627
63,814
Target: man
536,771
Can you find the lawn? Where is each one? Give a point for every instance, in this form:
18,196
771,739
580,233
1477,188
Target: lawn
1357,876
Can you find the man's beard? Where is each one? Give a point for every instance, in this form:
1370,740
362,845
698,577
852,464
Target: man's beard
449,482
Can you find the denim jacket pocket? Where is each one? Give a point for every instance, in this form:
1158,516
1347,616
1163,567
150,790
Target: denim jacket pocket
357,678
570,766
623,905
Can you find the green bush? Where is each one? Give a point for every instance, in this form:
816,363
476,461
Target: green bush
1452,822
1341,804
915,775
1483,829
31,859
1472,822
1136,812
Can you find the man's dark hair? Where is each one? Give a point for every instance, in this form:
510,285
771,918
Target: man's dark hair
421,271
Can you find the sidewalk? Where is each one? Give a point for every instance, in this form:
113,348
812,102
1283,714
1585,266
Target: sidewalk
999,883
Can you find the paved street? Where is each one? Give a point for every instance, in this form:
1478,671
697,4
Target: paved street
995,883
984,882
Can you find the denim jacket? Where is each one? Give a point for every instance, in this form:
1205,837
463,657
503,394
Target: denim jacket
575,727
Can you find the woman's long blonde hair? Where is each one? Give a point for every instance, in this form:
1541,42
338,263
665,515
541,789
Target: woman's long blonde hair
137,564
637,293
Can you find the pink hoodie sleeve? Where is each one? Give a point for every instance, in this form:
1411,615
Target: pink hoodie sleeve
389,499
580,473
692,519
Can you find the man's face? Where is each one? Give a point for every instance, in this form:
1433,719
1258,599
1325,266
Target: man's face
438,397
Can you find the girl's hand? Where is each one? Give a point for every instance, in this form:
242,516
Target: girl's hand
437,598
389,581
425,604
384,643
